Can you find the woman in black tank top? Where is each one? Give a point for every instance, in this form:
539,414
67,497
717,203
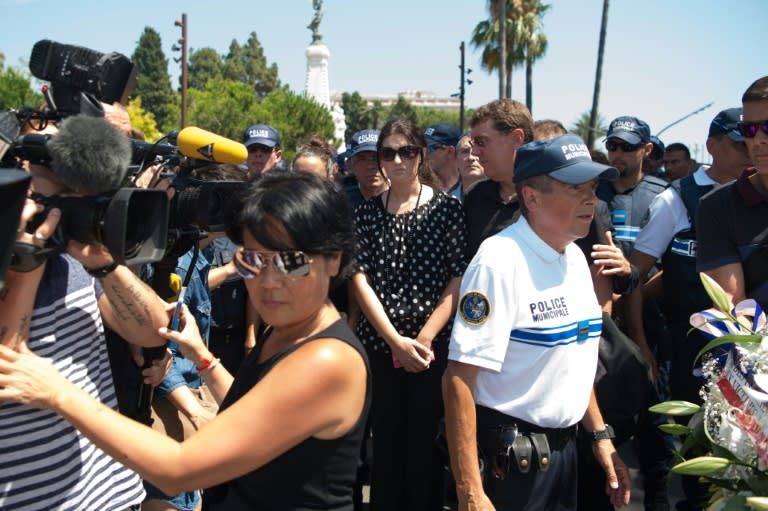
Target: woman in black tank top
291,421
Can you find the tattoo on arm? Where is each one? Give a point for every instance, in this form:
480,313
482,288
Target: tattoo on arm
23,331
128,303
3,294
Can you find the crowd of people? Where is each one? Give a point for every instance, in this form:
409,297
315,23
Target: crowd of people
466,321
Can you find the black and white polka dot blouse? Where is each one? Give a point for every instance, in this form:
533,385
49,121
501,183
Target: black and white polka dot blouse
409,259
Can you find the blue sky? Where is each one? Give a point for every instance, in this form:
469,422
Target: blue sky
664,59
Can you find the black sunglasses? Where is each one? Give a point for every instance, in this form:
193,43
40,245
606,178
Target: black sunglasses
626,147
249,263
749,129
435,147
260,148
406,152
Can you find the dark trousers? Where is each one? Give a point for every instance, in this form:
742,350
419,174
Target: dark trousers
406,468
550,490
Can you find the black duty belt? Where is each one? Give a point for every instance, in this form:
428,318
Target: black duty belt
508,443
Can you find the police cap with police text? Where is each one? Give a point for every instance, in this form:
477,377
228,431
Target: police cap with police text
629,129
363,140
263,134
565,158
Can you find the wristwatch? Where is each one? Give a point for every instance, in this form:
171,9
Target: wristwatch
603,434
102,272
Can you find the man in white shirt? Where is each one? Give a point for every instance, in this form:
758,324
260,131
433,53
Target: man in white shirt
524,345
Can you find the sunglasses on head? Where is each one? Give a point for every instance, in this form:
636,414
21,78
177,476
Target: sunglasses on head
626,147
406,152
749,129
249,263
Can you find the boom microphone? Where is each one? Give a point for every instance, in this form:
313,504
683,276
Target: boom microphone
203,145
89,155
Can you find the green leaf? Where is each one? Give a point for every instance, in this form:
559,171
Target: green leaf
675,429
721,452
742,340
676,408
716,293
701,466
736,503
697,442
758,484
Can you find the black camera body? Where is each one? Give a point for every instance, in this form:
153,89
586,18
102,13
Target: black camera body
131,222
203,204
81,77
198,205
128,222
13,191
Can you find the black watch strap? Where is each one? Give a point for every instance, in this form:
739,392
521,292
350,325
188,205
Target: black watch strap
102,272
605,434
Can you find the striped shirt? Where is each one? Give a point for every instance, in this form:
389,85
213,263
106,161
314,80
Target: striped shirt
45,463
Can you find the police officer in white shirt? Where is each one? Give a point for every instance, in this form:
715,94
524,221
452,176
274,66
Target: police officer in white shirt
524,346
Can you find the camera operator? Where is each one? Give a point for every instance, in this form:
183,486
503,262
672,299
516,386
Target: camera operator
58,310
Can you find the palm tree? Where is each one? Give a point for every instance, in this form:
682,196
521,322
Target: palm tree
583,128
522,22
535,48
598,75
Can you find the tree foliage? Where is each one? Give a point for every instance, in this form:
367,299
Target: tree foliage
16,91
227,107
204,64
153,84
143,120
296,118
402,109
248,64
224,107
581,127
523,23
360,115
356,113
426,117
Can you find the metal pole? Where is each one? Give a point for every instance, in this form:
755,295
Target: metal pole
461,89
665,128
183,41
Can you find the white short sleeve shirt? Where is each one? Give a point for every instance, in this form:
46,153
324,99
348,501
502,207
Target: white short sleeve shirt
667,217
528,317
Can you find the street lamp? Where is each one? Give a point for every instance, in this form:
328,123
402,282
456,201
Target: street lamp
183,59
463,72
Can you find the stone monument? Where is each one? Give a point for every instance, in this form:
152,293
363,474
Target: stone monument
317,86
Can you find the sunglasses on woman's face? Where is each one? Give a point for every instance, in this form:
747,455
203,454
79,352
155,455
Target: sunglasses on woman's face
749,129
406,152
249,263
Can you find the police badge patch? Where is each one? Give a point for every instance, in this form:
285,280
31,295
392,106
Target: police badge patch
474,308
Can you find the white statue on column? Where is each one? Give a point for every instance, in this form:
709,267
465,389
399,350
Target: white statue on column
317,86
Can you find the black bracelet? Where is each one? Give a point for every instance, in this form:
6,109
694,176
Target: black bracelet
604,434
625,284
102,272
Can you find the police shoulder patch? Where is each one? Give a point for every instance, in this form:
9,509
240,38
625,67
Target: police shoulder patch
474,308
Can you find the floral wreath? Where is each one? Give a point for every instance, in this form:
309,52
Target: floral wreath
726,440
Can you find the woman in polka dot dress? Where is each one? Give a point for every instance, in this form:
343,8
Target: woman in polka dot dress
411,258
